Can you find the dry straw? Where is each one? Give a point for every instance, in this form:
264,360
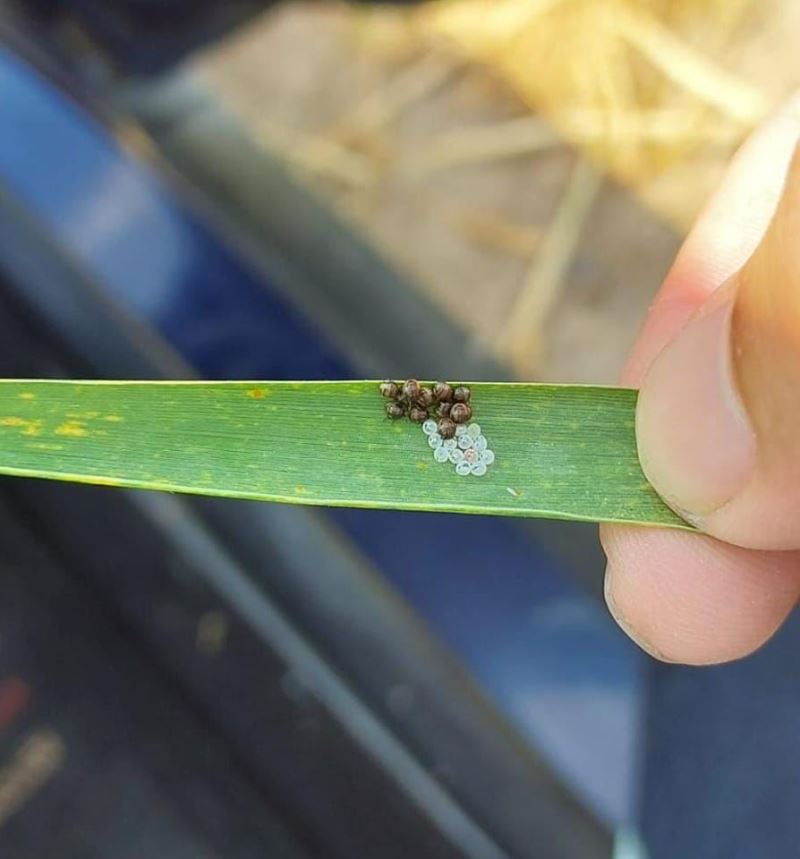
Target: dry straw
650,90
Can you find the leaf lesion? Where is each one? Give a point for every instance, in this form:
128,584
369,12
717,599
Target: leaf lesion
72,428
27,426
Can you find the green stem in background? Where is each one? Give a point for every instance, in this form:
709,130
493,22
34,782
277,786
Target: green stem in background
563,451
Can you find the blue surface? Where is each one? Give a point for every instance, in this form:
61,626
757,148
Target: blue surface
550,657
723,757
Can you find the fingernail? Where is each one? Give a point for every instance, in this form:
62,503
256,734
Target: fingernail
622,623
696,444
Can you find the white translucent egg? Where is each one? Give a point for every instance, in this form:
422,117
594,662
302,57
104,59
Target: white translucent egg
435,440
478,469
460,430
441,454
456,455
463,469
481,444
487,457
450,444
474,430
464,442
429,427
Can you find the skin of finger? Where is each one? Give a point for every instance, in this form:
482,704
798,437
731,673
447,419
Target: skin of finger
765,338
707,602
725,235
649,563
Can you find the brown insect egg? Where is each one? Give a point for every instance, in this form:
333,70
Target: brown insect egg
390,389
460,413
411,389
425,398
462,394
447,428
394,411
417,414
442,392
443,410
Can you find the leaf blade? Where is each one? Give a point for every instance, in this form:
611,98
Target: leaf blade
562,451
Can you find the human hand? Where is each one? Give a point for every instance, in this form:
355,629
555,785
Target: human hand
718,421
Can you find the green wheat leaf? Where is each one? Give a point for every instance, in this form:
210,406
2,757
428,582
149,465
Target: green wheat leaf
563,451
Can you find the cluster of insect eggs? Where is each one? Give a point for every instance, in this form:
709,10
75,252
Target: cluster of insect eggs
468,450
450,405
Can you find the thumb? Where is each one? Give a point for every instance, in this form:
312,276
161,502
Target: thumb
718,419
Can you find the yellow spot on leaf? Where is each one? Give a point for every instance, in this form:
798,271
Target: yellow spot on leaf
27,426
114,419
27,395
72,428
300,489
42,445
256,393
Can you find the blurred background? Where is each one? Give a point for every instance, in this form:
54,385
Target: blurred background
463,189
